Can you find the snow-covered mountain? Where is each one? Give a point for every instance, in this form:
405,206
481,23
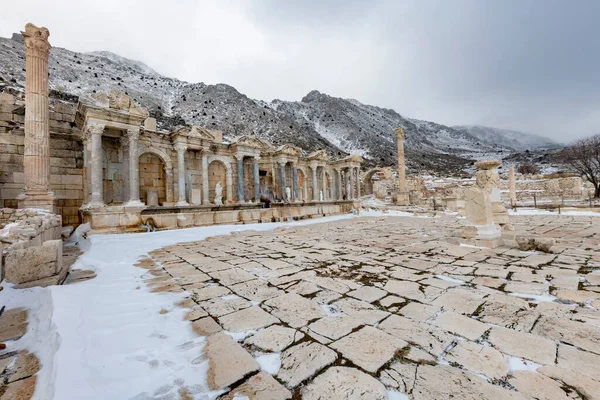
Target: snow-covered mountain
318,121
514,140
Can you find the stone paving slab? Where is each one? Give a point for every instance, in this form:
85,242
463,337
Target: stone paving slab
369,304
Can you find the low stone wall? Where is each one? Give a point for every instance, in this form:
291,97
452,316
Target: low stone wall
31,247
124,219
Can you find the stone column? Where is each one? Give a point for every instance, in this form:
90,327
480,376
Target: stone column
294,183
181,148
339,189
512,185
282,177
324,183
240,167
358,181
229,183
256,181
125,167
169,185
37,192
205,188
96,165
133,136
351,177
314,182
402,195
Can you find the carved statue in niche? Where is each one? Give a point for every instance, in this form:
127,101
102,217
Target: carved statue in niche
348,190
219,194
288,194
320,195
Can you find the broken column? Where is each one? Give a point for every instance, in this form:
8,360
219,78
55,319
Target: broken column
480,223
37,192
402,195
512,185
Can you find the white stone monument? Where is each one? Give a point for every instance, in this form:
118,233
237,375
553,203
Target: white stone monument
219,194
288,194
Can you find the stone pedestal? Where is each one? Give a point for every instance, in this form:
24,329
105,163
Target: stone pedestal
195,197
37,192
152,198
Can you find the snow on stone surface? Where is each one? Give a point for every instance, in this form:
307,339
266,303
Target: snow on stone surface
105,338
270,363
535,211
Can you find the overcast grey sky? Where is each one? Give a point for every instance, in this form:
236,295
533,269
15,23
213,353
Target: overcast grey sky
530,65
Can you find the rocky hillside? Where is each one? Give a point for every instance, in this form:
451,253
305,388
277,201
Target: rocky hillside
513,140
318,121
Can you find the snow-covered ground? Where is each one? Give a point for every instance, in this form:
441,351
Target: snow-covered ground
106,339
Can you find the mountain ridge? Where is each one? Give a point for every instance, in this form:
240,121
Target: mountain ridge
318,121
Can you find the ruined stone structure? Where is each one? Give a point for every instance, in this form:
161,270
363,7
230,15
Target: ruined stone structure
402,198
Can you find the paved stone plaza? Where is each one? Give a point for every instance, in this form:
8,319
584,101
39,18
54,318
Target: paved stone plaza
371,307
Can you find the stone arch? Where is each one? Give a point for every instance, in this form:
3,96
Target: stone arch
159,153
367,183
152,178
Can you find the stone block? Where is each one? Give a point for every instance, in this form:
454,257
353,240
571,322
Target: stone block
196,197
152,197
6,98
150,124
34,263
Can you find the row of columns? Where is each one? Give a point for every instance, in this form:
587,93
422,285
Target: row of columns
131,164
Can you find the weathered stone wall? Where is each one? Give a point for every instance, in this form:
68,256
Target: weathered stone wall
66,156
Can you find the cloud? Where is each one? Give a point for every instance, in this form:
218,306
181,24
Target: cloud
528,65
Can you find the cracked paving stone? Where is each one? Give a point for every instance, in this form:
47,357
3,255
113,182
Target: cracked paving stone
302,361
228,362
274,338
369,348
343,383
252,318
294,309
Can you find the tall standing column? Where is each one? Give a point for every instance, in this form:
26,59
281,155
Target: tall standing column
240,167
512,185
314,182
295,183
340,191
181,149
358,182
324,183
256,181
96,165
37,192
205,188
402,195
282,177
133,136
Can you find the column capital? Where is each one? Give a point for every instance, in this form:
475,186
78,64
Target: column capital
180,147
133,133
36,40
400,133
94,128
